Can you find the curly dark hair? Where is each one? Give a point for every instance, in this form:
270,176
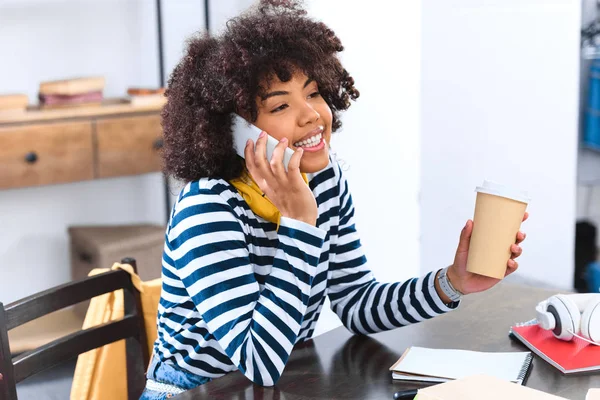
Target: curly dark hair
224,74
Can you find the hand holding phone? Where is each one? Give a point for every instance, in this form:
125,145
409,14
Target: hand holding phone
243,130
280,181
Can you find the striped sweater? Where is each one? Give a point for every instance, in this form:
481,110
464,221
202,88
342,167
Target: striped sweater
238,293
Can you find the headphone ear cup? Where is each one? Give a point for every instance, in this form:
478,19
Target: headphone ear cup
590,321
567,315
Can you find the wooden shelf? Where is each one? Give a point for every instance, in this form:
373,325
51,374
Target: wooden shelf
51,146
108,107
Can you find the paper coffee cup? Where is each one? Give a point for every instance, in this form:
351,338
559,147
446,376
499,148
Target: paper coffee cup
499,211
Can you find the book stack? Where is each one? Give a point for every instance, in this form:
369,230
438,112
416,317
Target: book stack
72,92
10,103
147,97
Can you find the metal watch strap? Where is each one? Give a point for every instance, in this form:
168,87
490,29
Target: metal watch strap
446,286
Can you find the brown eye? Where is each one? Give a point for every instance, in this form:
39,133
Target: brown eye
280,108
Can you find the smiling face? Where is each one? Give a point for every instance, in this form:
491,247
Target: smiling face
295,110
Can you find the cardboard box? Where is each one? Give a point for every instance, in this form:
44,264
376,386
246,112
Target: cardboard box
101,246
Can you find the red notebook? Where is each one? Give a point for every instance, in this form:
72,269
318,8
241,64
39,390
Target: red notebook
576,356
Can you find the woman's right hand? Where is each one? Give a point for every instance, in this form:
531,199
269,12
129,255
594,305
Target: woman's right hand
286,190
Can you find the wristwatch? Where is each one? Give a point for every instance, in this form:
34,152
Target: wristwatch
449,290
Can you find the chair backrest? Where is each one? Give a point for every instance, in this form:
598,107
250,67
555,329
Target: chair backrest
131,328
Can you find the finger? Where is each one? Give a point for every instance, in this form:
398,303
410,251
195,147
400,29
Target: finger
465,237
294,165
520,237
255,172
260,156
277,159
260,150
512,266
516,251
250,161
525,216
249,154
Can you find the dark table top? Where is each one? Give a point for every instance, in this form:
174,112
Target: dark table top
339,365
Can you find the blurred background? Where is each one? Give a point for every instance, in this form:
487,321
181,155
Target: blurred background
452,92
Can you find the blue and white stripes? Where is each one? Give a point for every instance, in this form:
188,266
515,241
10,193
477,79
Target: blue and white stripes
238,293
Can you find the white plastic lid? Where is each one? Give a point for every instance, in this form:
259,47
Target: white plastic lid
497,189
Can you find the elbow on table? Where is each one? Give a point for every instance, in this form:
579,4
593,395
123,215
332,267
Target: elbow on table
259,376
265,381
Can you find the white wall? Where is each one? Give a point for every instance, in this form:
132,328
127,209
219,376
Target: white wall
498,80
379,141
42,40
500,101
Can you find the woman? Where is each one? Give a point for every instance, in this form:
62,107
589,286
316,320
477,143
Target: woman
252,250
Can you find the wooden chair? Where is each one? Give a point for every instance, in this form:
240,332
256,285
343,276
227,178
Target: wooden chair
131,328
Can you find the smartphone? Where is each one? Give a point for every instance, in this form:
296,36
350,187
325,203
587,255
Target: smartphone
243,130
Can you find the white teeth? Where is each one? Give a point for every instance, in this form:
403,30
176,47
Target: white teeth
310,141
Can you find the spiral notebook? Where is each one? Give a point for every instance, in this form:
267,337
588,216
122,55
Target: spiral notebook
442,365
573,357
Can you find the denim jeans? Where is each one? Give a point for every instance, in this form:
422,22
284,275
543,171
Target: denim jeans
172,375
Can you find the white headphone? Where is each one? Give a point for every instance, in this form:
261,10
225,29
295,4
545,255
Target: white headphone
572,315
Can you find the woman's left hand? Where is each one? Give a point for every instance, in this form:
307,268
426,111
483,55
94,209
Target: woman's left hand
468,282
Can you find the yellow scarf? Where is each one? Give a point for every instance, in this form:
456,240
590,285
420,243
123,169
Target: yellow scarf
256,199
